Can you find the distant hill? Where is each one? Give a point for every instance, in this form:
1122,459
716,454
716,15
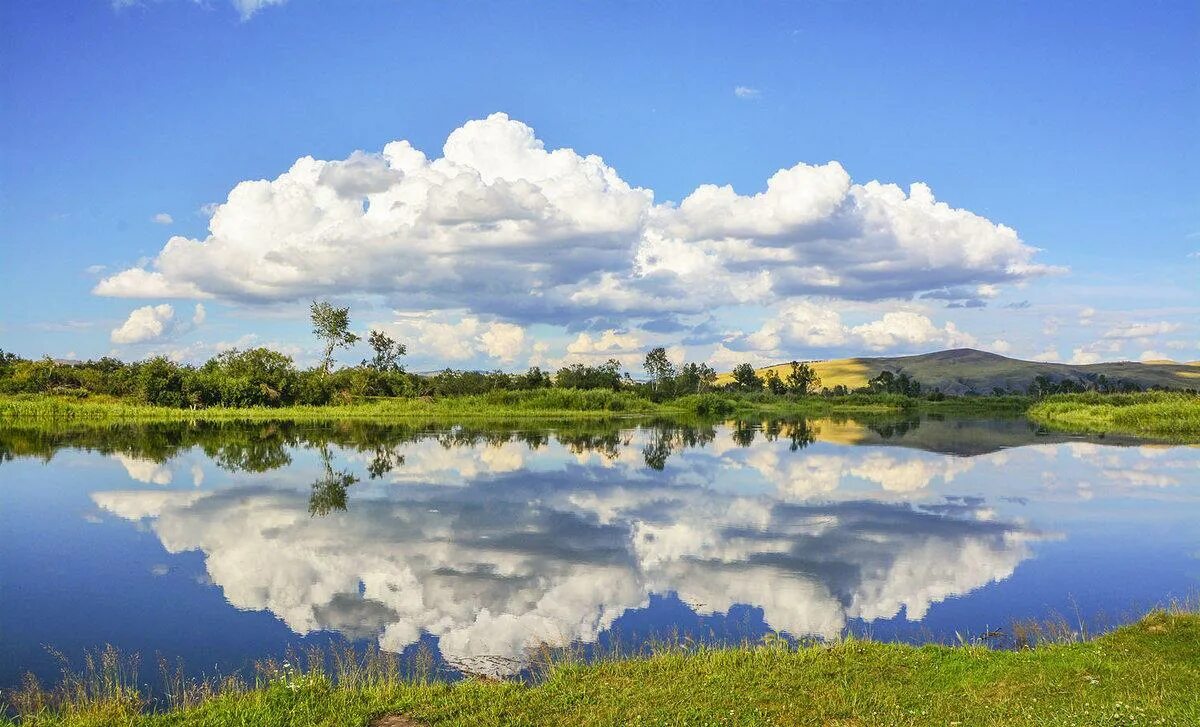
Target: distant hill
966,370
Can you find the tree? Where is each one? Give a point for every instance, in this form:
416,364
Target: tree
694,378
659,367
801,379
580,376
774,384
387,352
746,378
332,326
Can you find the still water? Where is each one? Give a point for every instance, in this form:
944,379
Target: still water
219,544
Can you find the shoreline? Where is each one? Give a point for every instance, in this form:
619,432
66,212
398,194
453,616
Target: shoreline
545,404
1164,415
1143,671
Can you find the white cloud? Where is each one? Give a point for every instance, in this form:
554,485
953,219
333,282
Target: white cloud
245,8
501,227
803,325
1095,352
610,344
154,323
999,346
1152,355
503,341
1050,355
162,218
458,337
746,92
1140,330
905,328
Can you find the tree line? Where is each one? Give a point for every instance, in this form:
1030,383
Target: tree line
263,377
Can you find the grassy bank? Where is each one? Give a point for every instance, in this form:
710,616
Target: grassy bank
546,403
1159,414
1145,673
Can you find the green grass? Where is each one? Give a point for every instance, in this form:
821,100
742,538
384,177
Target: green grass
1142,674
551,403
1161,414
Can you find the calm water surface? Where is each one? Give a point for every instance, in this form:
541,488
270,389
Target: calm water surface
222,544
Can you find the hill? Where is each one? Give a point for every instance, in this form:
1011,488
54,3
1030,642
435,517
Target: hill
966,370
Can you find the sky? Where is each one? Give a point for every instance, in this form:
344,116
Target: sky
500,185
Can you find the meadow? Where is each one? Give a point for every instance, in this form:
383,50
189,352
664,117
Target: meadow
1158,414
1140,674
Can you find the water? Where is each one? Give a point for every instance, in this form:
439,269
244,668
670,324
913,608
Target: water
220,544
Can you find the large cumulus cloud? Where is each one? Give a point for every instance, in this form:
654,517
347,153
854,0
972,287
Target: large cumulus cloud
501,225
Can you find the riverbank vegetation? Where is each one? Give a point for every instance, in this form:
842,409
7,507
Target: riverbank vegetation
1143,673
1160,414
261,383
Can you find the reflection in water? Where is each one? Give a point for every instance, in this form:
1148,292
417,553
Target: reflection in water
495,537
329,490
506,556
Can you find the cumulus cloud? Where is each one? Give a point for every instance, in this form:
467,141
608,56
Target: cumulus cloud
501,226
805,325
162,218
457,336
908,328
155,323
746,92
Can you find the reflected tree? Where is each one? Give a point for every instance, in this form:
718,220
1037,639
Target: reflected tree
329,491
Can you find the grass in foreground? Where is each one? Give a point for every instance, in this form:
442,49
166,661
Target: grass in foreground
1144,673
1162,414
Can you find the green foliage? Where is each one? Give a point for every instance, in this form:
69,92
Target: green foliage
801,380
332,326
745,378
1172,415
387,352
582,376
888,383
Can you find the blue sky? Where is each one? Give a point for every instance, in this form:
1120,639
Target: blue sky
1061,138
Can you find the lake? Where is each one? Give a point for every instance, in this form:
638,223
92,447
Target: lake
219,544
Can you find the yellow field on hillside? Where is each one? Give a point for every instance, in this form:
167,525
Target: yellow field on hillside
851,372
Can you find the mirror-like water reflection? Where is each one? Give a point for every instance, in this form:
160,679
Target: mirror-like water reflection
222,543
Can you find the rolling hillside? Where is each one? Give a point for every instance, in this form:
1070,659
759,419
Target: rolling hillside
965,370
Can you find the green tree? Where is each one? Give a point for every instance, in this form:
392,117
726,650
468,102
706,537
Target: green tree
802,379
387,352
774,384
746,378
332,326
660,368
694,378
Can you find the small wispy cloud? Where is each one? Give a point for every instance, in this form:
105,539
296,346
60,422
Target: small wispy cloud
163,218
245,8
746,92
